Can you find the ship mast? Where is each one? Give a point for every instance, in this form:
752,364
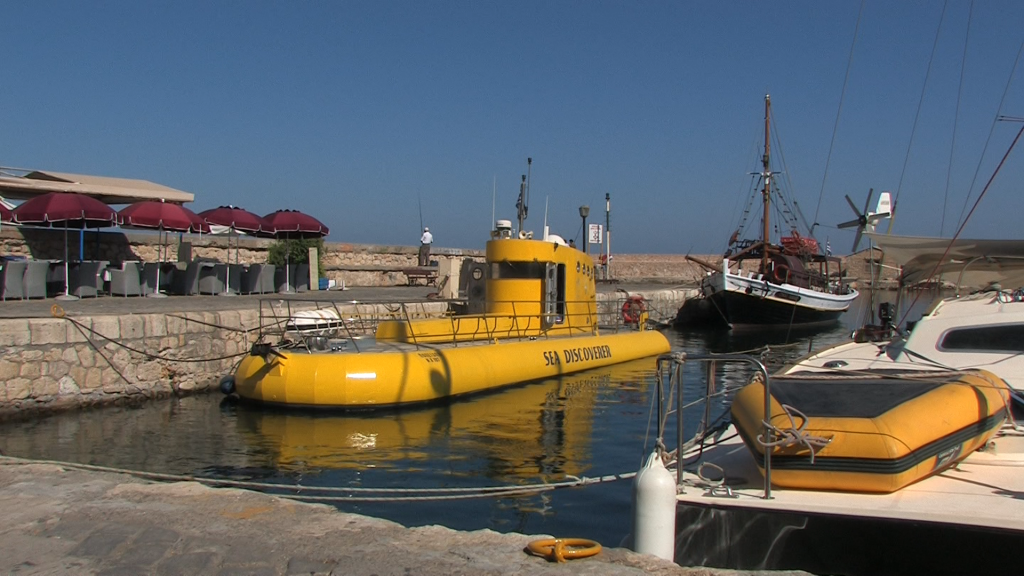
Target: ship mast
766,192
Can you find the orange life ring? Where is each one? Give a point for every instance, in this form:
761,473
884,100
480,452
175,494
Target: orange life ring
558,549
781,273
632,308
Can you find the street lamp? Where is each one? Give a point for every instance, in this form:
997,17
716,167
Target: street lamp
608,236
584,212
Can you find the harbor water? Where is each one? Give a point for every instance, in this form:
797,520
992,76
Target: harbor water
594,424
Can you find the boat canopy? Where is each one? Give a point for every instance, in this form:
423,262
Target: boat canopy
964,262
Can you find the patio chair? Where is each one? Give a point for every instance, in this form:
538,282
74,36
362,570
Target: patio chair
126,281
267,278
36,275
186,282
283,277
12,279
211,278
100,282
236,271
250,283
82,279
300,278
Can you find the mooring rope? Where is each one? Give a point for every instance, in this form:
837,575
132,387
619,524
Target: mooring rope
352,494
58,312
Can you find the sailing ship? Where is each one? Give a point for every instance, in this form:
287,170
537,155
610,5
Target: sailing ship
762,284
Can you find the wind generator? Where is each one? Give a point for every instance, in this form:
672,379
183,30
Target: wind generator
865,220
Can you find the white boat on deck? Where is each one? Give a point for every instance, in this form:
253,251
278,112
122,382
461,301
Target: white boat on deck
877,474
982,329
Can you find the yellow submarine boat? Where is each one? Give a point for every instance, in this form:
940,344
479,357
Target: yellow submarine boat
539,321
869,433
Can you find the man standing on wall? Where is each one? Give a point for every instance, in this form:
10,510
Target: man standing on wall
425,242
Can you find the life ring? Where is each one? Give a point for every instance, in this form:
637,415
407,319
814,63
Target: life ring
632,308
558,549
781,273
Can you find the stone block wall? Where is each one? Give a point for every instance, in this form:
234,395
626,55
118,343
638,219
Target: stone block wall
57,363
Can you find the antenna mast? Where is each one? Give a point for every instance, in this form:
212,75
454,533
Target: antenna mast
767,176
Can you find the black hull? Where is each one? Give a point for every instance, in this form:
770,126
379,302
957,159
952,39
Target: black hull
747,312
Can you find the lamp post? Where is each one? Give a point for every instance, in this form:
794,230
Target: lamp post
608,236
584,212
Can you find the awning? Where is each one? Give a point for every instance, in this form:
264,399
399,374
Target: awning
26,184
965,262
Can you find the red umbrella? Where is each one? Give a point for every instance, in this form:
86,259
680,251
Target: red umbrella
237,219
66,209
69,210
161,216
5,214
294,224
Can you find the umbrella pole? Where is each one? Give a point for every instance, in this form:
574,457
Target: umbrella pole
67,288
287,266
160,255
227,268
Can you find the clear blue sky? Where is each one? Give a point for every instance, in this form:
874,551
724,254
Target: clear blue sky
357,111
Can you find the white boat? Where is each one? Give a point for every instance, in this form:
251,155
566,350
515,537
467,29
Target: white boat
884,457
763,284
983,328
877,474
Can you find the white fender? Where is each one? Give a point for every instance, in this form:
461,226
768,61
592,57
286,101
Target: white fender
654,510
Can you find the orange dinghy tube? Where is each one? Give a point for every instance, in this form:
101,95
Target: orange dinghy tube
869,434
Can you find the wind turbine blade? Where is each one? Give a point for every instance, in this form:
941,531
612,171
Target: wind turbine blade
849,224
867,203
852,205
856,240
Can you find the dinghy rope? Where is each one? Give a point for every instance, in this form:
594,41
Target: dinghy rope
794,435
350,494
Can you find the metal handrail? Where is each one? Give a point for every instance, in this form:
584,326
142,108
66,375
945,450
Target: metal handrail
678,360
358,319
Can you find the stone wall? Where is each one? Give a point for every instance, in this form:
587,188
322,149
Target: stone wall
55,363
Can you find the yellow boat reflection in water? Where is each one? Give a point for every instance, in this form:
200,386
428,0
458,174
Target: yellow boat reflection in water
535,429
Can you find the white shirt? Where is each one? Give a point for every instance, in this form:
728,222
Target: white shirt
427,238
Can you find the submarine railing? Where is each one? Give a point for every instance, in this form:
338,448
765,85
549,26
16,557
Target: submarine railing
355,320
676,385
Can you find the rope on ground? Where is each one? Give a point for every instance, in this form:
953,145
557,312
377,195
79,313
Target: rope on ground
405,494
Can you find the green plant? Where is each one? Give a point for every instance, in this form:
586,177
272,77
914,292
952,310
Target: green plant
295,251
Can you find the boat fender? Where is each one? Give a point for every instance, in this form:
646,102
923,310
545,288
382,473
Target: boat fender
654,510
227,385
633,308
558,549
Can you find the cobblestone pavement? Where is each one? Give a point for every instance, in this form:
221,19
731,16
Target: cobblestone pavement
59,520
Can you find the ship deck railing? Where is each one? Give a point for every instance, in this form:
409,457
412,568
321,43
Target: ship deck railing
671,406
315,323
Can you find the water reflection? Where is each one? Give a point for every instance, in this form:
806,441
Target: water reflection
535,431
